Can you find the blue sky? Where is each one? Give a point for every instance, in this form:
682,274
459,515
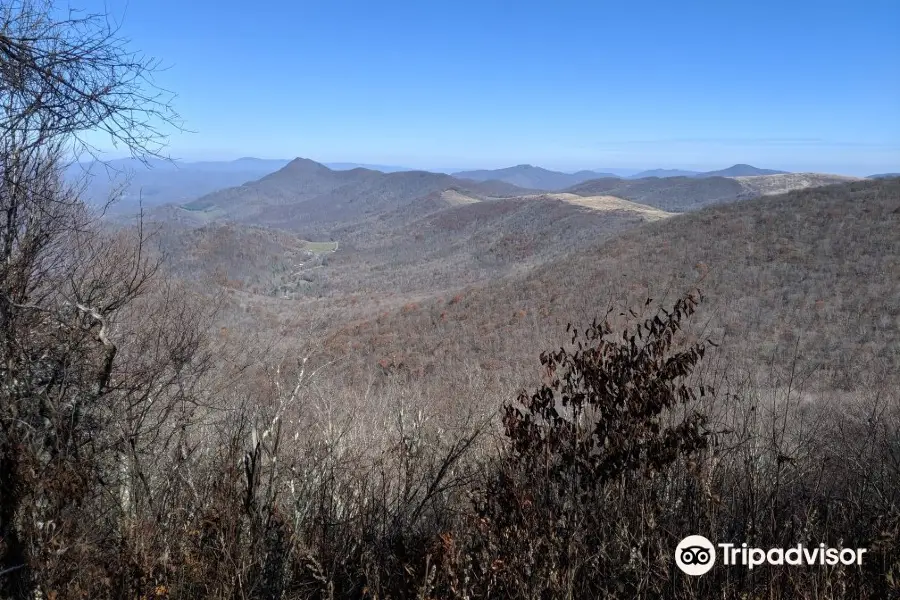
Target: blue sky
797,85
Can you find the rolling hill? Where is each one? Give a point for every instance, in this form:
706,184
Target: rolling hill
664,173
415,232
346,166
813,274
256,259
437,242
468,240
681,194
615,172
778,184
673,194
307,196
738,170
538,178
531,177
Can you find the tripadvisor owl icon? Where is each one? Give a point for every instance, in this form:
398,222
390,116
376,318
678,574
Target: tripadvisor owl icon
695,555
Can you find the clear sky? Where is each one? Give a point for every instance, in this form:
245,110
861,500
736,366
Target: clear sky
791,84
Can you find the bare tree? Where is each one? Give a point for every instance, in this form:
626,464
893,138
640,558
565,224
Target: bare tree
64,282
63,76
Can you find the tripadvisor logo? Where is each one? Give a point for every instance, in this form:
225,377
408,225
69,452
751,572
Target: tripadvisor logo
696,555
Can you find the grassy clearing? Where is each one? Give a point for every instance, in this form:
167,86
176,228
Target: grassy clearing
612,203
320,247
455,198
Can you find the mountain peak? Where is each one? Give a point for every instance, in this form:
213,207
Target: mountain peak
299,168
305,163
741,170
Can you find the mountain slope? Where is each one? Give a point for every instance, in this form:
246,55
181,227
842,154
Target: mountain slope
740,170
440,241
813,275
345,166
761,185
681,194
242,257
673,194
307,196
449,239
615,172
528,176
664,173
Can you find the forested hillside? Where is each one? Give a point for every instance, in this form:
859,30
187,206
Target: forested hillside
356,384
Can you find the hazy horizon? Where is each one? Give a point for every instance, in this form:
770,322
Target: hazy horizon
576,86
623,170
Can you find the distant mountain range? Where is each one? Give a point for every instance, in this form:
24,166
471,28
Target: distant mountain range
310,197
883,176
417,230
528,176
346,166
278,181
159,182
739,170
664,173
543,179
682,194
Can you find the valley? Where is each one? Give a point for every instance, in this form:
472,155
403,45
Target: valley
414,232
390,251
428,374
382,329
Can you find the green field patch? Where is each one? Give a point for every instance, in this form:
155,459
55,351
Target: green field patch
197,207
320,247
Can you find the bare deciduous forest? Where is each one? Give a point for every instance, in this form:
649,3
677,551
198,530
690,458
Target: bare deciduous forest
409,385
